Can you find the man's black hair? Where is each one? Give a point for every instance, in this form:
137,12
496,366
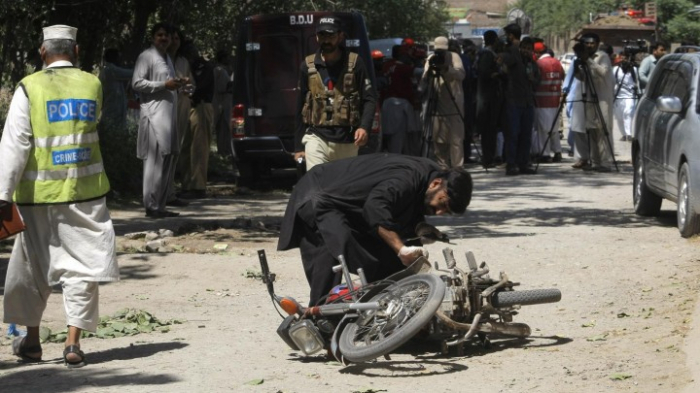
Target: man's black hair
654,46
593,36
527,41
459,189
513,29
112,55
161,25
221,56
490,37
453,46
606,48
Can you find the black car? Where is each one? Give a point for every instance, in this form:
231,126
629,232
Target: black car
270,50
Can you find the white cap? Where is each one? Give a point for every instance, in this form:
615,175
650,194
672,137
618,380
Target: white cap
60,32
441,43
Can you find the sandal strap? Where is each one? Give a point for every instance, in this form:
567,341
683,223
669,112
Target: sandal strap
73,349
32,349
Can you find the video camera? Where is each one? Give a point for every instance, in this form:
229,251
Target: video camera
438,59
580,51
632,47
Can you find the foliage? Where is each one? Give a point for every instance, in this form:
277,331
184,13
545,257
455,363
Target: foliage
118,148
556,17
677,24
125,322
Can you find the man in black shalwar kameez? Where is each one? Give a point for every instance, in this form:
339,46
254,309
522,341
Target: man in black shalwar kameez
362,208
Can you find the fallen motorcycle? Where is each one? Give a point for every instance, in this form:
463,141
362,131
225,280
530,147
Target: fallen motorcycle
362,321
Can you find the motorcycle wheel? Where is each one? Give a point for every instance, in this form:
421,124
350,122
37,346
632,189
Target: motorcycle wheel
405,308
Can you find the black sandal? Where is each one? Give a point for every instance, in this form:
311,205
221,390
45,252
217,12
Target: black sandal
76,350
21,351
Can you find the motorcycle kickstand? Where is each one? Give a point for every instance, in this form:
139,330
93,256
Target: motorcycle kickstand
387,357
484,339
460,349
444,348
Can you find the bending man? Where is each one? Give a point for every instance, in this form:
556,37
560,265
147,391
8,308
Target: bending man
362,208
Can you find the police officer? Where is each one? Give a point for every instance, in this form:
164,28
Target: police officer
50,159
336,100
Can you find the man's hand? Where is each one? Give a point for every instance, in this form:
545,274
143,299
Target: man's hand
298,155
174,84
409,254
361,137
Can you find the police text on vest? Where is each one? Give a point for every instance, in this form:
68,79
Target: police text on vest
71,109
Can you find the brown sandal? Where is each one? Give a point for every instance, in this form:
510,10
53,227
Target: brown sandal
22,351
76,350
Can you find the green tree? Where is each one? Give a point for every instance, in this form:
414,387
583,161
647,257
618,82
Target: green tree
675,23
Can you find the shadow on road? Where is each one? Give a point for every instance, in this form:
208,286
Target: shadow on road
404,369
36,377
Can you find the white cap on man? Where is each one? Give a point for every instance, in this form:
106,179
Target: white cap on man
441,43
60,32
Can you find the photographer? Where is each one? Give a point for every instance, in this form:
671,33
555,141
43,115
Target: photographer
443,77
594,98
626,94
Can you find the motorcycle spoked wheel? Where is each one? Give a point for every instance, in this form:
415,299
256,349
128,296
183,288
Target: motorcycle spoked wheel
406,307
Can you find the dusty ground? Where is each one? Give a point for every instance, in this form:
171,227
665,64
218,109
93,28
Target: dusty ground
629,290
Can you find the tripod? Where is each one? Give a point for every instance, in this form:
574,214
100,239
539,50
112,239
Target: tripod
587,87
433,95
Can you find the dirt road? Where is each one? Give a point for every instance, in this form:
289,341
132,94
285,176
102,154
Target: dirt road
629,290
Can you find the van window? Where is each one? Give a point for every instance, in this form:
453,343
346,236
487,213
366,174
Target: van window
271,75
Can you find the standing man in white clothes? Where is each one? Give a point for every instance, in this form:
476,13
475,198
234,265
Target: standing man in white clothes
51,166
155,80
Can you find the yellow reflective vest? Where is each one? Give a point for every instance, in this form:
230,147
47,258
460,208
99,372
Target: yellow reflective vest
65,163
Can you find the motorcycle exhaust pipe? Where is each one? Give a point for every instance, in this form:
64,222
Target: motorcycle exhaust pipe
511,329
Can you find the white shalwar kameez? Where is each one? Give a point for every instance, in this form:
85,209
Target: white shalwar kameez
158,136
625,99
70,244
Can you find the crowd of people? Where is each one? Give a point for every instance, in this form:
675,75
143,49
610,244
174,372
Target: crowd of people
511,95
366,208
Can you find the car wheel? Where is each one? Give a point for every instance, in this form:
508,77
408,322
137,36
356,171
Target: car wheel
688,219
646,203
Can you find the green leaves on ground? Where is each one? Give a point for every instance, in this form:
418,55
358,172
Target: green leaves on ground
125,322
620,376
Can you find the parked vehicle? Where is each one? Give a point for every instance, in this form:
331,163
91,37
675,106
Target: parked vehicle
363,321
566,60
270,50
666,143
384,45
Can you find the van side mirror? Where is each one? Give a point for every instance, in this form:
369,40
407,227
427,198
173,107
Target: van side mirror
669,104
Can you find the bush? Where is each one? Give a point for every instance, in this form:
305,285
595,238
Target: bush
5,99
118,148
